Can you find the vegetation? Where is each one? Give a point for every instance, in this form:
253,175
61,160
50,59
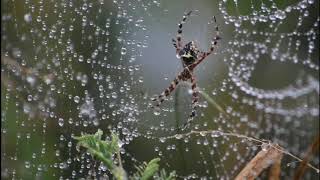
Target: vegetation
108,152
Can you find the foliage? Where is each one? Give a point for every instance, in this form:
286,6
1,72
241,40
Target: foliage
163,175
146,171
106,150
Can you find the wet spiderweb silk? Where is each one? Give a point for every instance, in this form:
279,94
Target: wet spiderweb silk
75,66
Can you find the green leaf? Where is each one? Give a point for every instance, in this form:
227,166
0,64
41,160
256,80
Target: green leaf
119,173
102,150
105,150
151,168
163,175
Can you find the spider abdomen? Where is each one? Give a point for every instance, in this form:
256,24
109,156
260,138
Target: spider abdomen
188,54
188,60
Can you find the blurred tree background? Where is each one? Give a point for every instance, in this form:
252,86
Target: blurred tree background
71,67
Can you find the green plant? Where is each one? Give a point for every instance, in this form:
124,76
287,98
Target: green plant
106,150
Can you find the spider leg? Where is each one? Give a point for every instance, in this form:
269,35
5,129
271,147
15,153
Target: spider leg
159,99
177,43
214,43
174,42
195,98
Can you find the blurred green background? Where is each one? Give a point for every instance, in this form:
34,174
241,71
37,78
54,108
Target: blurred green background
71,67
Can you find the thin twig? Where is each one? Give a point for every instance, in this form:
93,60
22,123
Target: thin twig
119,159
215,133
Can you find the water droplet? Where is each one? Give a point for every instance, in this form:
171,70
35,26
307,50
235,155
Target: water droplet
179,136
237,23
76,99
27,164
141,79
120,143
206,142
62,165
57,153
123,51
61,122
114,95
203,133
29,97
80,59
156,111
16,53
28,18
264,146
216,134
156,149
280,14
31,80
162,139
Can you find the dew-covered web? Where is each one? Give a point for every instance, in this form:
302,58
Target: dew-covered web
72,67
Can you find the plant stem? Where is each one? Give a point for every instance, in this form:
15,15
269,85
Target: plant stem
119,158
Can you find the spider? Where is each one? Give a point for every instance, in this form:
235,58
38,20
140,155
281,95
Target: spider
190,56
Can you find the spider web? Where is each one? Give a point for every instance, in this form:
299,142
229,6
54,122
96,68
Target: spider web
71,67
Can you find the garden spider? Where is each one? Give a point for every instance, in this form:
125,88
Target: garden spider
190,56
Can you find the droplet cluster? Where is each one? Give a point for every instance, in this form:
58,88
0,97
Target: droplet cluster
71,67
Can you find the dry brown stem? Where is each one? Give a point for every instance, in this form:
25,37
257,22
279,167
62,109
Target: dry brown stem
313,148
275,170
266,157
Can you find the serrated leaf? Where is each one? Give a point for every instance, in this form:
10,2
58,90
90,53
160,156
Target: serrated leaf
151,168
102,150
